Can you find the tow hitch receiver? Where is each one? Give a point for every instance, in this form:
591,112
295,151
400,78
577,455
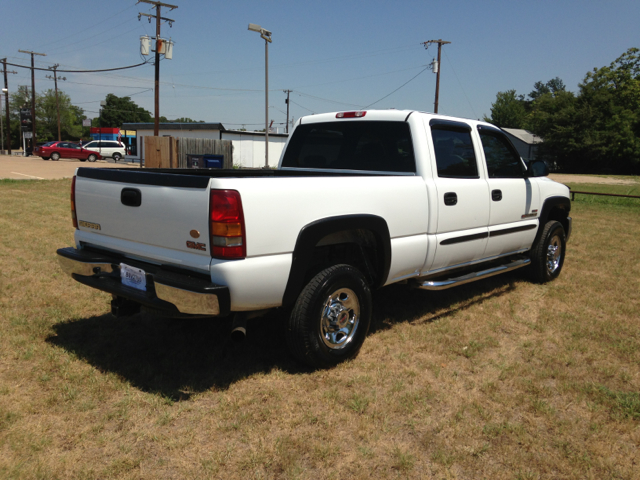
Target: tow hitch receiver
122,307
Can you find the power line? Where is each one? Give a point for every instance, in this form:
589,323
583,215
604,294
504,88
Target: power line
81,71
426,68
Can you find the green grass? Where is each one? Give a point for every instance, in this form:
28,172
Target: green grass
496,379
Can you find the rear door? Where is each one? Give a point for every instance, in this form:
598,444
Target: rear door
463,195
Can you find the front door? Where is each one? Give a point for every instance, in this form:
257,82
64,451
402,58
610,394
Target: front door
514,201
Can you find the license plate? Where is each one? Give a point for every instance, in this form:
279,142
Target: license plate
133,277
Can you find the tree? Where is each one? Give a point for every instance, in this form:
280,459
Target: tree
119,110
508,111
47,117
599,129
553,86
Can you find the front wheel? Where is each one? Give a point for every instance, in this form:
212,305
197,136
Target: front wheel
547,256
92,158
117,157
331,317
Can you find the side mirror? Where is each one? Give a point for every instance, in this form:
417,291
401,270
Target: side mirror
538,169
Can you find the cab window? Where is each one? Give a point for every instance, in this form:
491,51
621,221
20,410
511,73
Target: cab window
455,156
502,159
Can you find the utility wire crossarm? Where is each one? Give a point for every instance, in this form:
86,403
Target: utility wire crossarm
426,44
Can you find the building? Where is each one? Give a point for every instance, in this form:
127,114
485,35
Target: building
525,142
248,147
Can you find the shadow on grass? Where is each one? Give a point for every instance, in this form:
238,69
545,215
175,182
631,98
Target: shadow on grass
178,358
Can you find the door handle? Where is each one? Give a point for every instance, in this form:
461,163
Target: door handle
496,195
131,197
450,198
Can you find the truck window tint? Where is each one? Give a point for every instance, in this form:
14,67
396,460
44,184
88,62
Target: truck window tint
502,160
455,156
353,145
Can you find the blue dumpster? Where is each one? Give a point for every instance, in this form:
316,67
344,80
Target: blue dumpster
213,161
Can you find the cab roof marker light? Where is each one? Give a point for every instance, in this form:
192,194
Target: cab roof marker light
351,114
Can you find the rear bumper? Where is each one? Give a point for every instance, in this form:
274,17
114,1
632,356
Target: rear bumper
175,291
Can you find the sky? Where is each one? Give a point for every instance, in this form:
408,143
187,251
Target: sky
332,55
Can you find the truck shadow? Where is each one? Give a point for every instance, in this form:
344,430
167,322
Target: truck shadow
179,358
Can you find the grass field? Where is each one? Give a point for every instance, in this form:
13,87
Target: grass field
497,379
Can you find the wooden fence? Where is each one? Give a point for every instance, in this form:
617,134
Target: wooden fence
199,146
160,152
170,152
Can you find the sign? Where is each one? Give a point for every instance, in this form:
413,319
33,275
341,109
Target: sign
86,122
28,134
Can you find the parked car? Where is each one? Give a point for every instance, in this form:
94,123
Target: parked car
58,150
107,148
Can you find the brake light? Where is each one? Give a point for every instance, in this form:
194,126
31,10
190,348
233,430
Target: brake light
351,114
74,217
227,231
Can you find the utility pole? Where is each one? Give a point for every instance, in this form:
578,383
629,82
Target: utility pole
33,97
287,102
157,5
56,78
6,102
436,69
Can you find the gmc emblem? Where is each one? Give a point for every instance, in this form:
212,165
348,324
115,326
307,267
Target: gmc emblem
196,246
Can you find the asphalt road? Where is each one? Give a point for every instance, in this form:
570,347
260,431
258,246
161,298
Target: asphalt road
34,168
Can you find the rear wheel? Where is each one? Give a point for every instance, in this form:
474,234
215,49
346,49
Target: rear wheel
55,156
331,317
92,158
547,257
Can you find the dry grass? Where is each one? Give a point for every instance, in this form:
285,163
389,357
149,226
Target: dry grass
498,379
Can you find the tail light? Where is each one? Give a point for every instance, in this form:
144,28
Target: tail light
74,217
227,231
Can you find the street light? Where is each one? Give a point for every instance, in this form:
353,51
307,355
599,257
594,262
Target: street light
266,35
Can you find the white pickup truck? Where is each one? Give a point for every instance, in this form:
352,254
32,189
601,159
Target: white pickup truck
359,200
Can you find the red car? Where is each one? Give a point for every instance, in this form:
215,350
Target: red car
57,150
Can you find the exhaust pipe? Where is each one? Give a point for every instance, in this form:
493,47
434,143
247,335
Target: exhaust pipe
239,327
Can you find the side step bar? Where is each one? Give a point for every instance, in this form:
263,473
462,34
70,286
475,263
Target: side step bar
472,277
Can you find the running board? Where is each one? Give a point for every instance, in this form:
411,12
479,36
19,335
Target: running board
472,277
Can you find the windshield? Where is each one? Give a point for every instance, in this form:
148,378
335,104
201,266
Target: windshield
380,146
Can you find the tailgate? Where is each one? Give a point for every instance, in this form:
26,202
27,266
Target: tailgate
159,217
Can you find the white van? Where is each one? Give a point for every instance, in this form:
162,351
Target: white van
107,148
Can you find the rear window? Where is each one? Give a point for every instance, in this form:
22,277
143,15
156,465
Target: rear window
352,145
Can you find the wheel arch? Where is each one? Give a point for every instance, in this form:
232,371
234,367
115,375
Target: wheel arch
345,229
554,208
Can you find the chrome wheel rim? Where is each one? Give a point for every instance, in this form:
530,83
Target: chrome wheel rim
340,318
554,254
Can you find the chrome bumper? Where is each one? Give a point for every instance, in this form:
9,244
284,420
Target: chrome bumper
166,290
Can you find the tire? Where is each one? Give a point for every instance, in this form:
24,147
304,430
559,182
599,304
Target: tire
331,317
92,158
45,158
82,159
117,157
547,256
55,156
